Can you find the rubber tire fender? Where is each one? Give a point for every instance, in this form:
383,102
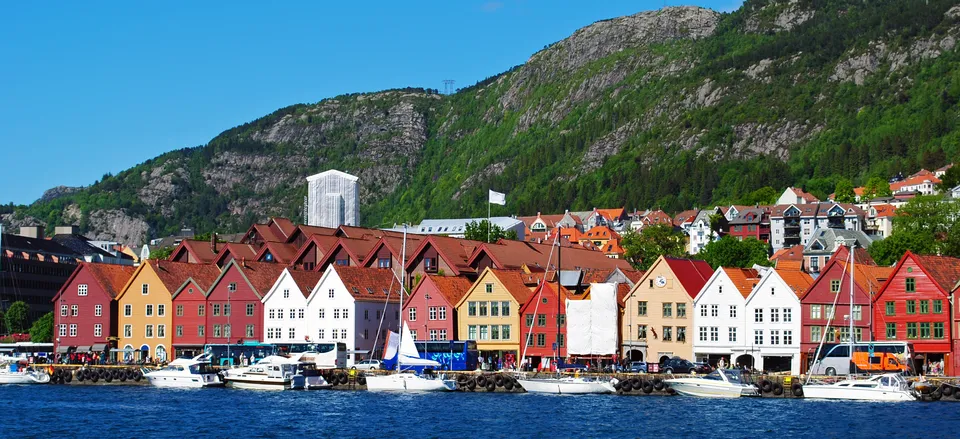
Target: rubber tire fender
462,380
498,380
108,376
491,386
481,381
797,389
936,395
362,380
67,376
777,389
647,387
947,390
956,394
636,383
94,376
626,386
508,384
137,375
80,376
658,384
766,386
472,384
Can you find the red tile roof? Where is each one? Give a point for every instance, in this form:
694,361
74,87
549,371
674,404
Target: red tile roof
613,214
111,277
884,210
806,196
285,225
794,253
200,250
239,252
797,280
453,288
283,253
596,275
914,180
684,217
305,280
600,232
359,232
174,274
944,270
743,278
692,274
370,284
261,275
861,256
455,251
517,283
657,217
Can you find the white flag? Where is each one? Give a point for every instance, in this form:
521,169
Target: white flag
498,198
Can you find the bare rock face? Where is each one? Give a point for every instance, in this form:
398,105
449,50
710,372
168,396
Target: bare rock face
487,172
779,17
754,139
606,146
116,225
59,191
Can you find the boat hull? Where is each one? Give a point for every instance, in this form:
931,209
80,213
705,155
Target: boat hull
24,378
856,394
184,382
559,387
710,390
296,383
408,383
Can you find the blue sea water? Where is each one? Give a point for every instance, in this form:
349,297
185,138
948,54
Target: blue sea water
147,412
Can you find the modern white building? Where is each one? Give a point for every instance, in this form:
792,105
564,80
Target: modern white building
457,227
356,306
700,232
793,195
718,314
772,315
333,199
285,319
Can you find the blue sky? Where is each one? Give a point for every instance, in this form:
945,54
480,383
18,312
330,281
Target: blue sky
94,88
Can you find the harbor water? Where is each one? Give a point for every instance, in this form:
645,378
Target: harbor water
147,412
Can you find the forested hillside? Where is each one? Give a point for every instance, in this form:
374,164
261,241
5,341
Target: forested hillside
674,108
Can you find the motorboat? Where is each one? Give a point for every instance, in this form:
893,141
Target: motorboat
568,385
13,372
406,353
193,372
886,387
273,372
721,383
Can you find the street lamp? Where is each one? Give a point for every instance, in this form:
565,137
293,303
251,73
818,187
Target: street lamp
426,328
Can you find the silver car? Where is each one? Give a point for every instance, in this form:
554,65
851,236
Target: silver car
368,365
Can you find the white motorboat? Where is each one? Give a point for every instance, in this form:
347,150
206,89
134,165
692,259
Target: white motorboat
186,373
886,387
408,381
568,385
15,373
721,383
270,373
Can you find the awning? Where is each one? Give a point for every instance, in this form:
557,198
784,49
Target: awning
99,347
83,348
63,349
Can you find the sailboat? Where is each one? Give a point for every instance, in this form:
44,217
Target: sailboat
886,387
402,346
562,385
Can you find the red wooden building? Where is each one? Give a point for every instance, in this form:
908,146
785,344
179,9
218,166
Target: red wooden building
752,222
190,312
234,311
914,306
85,308
431,308
538,322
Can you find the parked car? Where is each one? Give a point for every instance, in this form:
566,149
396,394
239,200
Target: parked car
638,366
703,368
677,365
368,365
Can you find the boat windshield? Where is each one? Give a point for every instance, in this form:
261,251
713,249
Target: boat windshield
733,375
715,375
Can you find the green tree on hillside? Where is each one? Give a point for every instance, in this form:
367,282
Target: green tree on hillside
161,253
42,330
876,187
888,251
477,231
643,248
843,193
924,225
731,252
950,179
16,316
764,195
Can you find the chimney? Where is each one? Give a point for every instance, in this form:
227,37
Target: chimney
66,230
213,242
32,231
243,262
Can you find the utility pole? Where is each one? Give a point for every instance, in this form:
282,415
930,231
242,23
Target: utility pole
448,86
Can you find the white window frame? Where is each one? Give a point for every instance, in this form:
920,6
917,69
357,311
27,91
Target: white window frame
82,289
98,310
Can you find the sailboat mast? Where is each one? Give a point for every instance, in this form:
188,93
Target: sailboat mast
853,260
403,260
560,244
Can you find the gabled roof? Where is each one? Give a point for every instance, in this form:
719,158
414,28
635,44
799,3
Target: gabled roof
691,273
261,276
596,276
612,214
753,215
545,289
914,180
944,270
883,210
794,253
173,275
369,284
518,283
239,251
359,232
357,248
453,288
806,196
657,217
870,278
600,232
797,280
283,253
323,243
743,278
309,231
685,217
111,277
860,255
456,252
305,280
200,250
264,232
394,245
80,245
285,225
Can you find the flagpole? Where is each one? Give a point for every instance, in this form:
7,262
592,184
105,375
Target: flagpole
488,218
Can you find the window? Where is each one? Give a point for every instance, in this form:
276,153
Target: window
63,310
202,331
505,309
787,337
472,310
775,337
286,293
560,340
272,313
835,286
667,310
323,313
82,290
250,331
787,315
226,309
890,309
938,306
910,285
562,319
74,310
816,333
831,311
732,334
924,307
703,333
411,314
336,313
433,335
179,310
891,331
815,312
149,311
714,310
494,309
293,313
541,339
681,313
484,332
938,330
442,312
335,334
857,312
432,313
320,333
495,332
858,333
442,335
642,332
226,331
217,331
148,331
912,330
63,330
330,294
844,334
179,330
642,308
97,330
216,309
682,334
488,287
127,331
472,332
774,315
714,333
668,333
145,289
758,337
73,329
733,311
201,310
292,333
758,315
383,262
161,310
161,331
270,333
925,330
232,287
541,320
911,307
483,309
251,309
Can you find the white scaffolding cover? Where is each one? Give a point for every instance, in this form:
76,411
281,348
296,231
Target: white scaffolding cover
592,324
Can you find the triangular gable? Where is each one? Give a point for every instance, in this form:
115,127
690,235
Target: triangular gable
706,286
136,273
772,276
945,290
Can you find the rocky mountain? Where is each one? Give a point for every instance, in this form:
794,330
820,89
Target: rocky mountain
672,108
